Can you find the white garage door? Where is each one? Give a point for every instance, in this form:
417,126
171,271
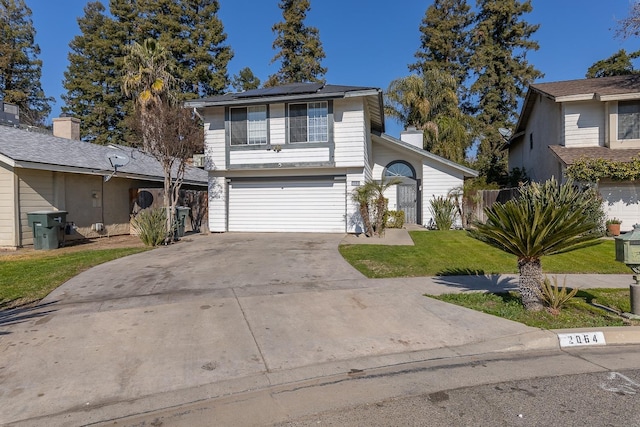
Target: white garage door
314,205
622,201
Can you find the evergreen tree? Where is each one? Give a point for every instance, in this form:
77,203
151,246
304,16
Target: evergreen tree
299,48
20,68
444,39
189,30
618,64
500,42
245,80
92,79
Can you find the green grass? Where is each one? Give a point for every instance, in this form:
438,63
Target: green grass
25,279
445,253
576,314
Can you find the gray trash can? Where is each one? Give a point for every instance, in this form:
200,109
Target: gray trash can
48,228
182,212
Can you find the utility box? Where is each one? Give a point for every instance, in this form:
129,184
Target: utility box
628,247
182,212
48,228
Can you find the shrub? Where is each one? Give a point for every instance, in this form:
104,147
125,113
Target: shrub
395,219
150,225
443,211
554,296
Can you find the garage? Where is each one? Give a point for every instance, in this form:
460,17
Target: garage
622,201
288,205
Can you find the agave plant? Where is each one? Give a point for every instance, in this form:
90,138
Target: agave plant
545,219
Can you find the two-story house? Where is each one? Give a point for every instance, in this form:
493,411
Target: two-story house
564,121
288,158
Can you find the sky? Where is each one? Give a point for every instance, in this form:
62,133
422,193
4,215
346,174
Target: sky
366,42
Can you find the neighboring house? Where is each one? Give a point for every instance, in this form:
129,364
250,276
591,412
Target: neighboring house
563,121
39,171
288,158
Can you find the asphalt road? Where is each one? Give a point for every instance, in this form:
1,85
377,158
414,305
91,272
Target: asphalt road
584,386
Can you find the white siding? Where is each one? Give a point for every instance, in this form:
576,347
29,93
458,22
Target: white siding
544,128
437,180
277,124
355,178
349,132
217,204
584,124
287,155
287,206
215,143
7,209
622,201
384,155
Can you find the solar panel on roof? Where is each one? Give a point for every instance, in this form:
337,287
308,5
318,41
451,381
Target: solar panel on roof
291,89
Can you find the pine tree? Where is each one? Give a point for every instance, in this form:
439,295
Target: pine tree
245,80
299,48
20,68
91,60
500,42
444,39
618,64
188,29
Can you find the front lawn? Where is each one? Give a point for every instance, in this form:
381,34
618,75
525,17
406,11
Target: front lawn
578,313
445,253
27,278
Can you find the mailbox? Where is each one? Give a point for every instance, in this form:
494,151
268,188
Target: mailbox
628,248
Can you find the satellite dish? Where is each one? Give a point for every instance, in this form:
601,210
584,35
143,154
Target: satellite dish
117,160
506,133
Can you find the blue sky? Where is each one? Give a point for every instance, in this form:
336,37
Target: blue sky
367,42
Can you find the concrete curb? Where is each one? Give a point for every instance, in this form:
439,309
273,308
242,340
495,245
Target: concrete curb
614,335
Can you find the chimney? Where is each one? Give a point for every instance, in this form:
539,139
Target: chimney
66,127
413,136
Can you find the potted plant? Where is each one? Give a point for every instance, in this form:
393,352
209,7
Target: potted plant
613,226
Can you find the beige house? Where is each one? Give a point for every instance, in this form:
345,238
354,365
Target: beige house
564,121
40,171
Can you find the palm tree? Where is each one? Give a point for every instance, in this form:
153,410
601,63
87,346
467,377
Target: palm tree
545,219
430,103
362,196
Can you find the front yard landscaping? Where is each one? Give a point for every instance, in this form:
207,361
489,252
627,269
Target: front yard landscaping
578,313
27,278
446,253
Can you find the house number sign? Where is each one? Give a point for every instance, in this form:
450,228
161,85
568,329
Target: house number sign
581,338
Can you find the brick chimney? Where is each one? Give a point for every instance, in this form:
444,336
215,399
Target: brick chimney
66,127
413,136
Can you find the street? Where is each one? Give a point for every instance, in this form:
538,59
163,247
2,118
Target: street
582,386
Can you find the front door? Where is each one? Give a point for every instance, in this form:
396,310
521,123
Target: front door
408,202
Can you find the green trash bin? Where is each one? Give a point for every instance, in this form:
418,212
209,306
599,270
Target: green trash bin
48,228
182,212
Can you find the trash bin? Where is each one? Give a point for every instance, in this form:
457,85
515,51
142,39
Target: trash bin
48,228
182,212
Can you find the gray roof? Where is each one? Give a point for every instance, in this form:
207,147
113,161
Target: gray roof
299,92
31,149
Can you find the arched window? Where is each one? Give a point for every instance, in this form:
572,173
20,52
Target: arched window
399,169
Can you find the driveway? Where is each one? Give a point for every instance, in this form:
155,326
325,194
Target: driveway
221,314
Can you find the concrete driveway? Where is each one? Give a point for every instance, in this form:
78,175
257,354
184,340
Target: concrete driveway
222,314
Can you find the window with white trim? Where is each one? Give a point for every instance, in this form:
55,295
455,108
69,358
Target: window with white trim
628,120
309,122
249,125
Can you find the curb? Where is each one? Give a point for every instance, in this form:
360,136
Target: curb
613,335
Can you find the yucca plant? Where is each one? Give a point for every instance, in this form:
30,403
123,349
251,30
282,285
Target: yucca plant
545,219
150,225
554,296
443,212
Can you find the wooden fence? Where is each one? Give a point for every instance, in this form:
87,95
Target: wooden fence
475,205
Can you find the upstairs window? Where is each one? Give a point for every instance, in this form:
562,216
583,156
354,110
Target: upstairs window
309,122
628,120
249,125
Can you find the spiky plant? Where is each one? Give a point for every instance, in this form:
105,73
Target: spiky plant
545,219
149,224
443,212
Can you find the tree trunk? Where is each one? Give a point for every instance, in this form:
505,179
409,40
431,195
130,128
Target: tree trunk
366,219
530,283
